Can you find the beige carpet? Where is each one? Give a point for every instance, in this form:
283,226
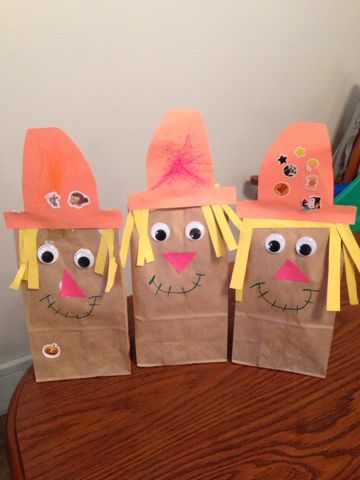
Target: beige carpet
4,468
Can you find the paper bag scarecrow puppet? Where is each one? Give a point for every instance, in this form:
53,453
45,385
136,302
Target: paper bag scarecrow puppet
179,233
73,292
288,267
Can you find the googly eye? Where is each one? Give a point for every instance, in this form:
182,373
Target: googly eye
194,230
306,246
84,258
275,243
160,232
47,253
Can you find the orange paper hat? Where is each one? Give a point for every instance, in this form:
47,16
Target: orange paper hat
58,186
296,179
179,167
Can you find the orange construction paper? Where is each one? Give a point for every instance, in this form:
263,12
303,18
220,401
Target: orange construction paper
59,188
179,166
296,179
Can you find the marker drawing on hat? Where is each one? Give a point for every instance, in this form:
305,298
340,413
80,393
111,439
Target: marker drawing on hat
179,236
73,292
288,266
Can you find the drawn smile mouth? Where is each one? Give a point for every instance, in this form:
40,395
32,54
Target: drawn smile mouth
57,311
273,304
169,291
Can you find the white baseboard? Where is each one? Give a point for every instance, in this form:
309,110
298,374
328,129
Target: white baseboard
10,375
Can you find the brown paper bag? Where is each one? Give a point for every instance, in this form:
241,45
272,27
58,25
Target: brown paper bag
287,272
77,319
180,317
74,337
282,323
180,237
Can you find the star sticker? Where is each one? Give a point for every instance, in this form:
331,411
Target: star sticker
300,152
282,159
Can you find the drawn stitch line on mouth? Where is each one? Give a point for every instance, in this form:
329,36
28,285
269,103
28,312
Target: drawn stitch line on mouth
169,291
284,307
66,315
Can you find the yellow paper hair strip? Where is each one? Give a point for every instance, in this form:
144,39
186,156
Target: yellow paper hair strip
145,253
232,216
101,256
106,249
126,237
238,295
111,274
269,223
241,260
28,269
18,277
350,244
109,235
334,272
350,278
214,233
33,267
224,227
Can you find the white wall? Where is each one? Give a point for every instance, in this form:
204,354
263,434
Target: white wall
106,70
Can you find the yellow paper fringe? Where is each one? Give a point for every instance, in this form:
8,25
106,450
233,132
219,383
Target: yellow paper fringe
101,255
28,269
350,278
106,249
214,233
350,243
338,233
238,295
232,216
125,240
145,253
334,271
241,260
269,223
224,227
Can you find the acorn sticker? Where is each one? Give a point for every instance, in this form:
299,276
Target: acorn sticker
312,164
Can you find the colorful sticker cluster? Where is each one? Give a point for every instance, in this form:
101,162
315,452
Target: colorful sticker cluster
311,181
76,199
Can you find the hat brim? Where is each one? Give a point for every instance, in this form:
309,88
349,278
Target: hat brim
333,214
99,219
154,199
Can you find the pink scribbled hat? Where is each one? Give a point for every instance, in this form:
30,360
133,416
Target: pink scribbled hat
179,167
296,179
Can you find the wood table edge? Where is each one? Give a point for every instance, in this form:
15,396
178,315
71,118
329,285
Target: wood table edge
12,444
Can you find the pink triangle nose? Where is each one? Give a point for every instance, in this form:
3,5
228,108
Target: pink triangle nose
179,260
290,271
69,287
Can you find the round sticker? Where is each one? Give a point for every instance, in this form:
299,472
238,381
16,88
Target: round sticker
290,170
281,189
51,350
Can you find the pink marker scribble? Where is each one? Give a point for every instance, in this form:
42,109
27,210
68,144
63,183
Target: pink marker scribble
183,165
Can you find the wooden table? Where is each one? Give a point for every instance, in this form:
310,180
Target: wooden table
212,421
